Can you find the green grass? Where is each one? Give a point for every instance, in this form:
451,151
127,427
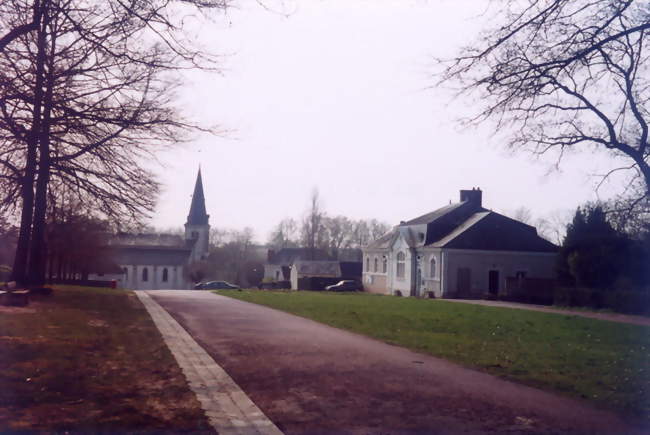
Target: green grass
88,359
604,362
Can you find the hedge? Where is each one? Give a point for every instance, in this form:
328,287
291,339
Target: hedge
622,301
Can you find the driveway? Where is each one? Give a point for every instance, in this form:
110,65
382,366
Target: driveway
312,378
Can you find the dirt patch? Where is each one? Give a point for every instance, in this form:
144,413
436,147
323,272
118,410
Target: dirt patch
89,361
17,310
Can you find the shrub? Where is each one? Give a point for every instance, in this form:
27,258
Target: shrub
622,301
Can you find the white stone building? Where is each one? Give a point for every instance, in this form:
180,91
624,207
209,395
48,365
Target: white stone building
458,251
152,261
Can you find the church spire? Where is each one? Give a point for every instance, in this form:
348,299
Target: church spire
198,215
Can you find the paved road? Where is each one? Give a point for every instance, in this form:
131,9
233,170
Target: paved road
311,378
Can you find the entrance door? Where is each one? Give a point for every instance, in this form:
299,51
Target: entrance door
463,281
493,282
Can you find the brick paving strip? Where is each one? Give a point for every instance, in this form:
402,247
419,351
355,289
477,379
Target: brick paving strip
228,408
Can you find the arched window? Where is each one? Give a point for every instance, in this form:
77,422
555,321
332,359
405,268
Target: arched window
367,264
432,267
165,277
384,264
376,265
145,274
401,266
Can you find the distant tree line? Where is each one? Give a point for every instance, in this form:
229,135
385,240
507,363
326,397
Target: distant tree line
233,257
318,230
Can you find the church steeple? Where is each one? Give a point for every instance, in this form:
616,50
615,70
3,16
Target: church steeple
198,215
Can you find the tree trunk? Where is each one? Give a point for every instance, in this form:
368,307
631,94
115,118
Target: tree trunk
21,265
37,254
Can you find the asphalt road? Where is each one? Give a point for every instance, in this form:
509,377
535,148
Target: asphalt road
312,378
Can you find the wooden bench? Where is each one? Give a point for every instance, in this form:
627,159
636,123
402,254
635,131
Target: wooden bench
13,297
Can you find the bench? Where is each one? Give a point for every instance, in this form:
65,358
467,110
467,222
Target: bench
13,297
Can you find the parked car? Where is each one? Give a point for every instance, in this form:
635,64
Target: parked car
347,285
215,285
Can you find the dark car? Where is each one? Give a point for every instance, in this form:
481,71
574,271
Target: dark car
347,285
215,285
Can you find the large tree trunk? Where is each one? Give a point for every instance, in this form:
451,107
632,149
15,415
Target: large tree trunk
38,250
21,265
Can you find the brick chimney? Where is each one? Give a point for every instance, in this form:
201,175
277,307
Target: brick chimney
474,196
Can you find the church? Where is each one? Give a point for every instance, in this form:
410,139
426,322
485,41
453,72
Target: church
160,261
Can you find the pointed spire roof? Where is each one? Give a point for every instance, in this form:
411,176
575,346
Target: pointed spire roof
198,215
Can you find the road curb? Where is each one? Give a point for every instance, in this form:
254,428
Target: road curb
228,408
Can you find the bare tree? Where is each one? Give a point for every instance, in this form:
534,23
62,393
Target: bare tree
313,230
285,234
16,30
563,74
86,100
361,234
339,231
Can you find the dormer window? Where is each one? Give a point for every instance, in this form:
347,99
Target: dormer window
421,237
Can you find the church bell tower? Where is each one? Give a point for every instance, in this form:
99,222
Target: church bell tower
197,227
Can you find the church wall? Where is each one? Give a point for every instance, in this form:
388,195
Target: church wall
155,277
202,245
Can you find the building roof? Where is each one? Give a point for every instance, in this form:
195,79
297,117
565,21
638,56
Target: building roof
434,215
492,231
151,255
466,225
198,215
318,268
147,239
287,256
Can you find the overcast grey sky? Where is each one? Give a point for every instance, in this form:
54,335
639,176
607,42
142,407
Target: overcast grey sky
338,96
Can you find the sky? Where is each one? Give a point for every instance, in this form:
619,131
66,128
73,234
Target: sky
338,95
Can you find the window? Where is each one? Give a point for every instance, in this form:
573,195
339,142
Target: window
165,276
145,274
125,271
384,264
367,264
432,267
401,267
376,266
277,275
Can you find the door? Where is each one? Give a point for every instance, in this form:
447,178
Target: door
463,282
493,282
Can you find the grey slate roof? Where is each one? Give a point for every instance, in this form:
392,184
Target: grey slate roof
434,215
318,268
467,225
151,255
198,215
287,256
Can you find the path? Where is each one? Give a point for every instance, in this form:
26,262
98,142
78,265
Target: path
612,317
312,378
229,410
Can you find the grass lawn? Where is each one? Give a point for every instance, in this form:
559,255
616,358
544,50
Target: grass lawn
89,360
605,362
